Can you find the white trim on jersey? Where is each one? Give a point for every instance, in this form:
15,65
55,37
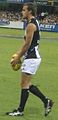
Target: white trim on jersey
38,24
37,53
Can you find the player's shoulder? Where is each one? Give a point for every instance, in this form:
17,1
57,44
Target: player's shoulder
34,21
31,26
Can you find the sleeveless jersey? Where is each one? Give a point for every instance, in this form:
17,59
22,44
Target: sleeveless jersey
33,49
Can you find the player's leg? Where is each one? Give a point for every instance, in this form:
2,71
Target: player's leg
25,83
47,102
34,90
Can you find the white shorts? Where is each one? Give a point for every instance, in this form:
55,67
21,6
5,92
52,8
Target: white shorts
30,65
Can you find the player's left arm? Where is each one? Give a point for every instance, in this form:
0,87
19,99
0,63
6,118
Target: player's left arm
31,28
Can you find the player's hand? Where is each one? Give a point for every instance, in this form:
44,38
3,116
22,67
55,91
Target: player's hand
16,62
15,59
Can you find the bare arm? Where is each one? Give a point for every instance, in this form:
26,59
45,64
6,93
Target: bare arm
31,28
29,35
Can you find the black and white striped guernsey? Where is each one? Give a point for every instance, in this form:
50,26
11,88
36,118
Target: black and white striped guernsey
33,49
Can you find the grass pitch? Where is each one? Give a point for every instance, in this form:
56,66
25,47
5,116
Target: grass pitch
46,78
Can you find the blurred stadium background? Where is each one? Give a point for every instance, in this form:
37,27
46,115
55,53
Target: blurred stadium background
47,13
11,40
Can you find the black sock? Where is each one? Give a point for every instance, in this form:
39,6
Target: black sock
24,97
33,89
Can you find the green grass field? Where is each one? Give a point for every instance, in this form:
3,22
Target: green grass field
46,78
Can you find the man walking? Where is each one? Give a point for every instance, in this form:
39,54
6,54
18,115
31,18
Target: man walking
31,62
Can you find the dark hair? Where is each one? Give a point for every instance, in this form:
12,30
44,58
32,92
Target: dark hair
31,7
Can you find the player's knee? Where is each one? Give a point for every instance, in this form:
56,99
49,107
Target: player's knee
24,84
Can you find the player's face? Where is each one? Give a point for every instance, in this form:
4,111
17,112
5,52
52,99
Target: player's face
25,12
